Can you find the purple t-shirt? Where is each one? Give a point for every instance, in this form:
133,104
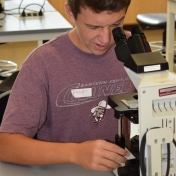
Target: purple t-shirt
61,93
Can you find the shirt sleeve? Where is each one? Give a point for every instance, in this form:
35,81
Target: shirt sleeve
26,109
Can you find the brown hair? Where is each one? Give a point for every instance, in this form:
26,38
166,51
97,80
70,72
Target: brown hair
98,5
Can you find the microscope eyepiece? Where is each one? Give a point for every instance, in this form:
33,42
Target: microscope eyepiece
135,44
136,30
119,36
121,49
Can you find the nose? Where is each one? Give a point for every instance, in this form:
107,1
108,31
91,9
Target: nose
105,35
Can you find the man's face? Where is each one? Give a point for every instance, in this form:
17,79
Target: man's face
93,31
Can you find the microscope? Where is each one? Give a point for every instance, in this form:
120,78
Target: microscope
152,107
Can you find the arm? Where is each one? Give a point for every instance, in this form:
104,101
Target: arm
95,155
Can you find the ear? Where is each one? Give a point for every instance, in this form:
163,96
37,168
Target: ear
69,13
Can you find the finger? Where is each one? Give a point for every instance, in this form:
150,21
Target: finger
116,149
114,157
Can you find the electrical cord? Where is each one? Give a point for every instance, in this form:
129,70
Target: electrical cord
19,8
8,10
174,142
2,11
43,4
168,160
40,12
4,15
142,155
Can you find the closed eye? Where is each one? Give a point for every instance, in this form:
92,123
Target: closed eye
93,27
116,24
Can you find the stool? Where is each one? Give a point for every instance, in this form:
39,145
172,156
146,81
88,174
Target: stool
3,102
156,20
7,68
7,84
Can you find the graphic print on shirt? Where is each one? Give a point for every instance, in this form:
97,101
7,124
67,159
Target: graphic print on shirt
99,90
99,111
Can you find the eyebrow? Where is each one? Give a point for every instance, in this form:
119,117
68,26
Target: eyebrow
91,25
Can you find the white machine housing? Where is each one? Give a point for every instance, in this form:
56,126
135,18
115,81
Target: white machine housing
157,108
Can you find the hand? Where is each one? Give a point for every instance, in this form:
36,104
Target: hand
100,155
127,33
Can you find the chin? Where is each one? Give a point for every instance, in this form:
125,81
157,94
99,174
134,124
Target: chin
99,53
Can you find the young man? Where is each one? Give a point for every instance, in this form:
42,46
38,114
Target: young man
61,94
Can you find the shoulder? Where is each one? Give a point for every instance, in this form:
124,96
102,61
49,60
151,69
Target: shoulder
53,45
47,51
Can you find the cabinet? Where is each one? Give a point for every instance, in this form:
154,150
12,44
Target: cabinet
136,7
59,6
